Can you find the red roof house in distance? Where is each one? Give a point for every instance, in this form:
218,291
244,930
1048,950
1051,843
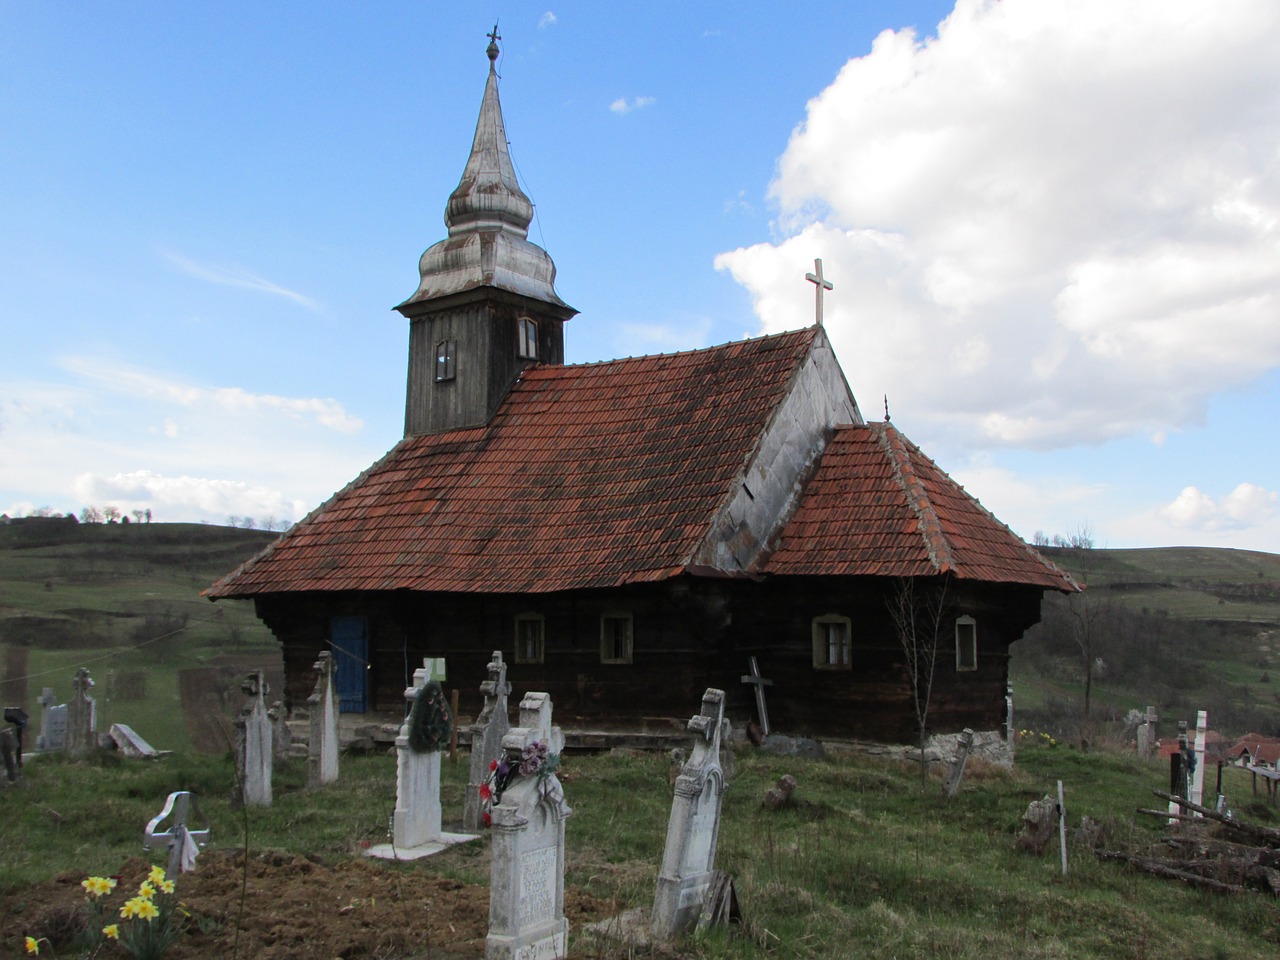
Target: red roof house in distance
629,533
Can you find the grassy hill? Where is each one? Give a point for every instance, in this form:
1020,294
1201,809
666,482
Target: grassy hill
123,600
1180,628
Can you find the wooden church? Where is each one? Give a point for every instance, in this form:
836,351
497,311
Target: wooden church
631,532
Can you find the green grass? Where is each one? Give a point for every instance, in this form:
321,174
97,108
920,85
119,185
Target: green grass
864,864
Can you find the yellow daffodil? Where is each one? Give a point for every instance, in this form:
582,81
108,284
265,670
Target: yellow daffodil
156,875
111,931
147,911
146,889
98,886
33,945
130,908
167,886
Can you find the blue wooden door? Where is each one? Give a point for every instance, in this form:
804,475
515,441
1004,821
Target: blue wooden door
350,639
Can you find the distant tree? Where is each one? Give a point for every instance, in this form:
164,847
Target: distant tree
111,513
41,512
90,514
138,515
124,519
268,523
147,514
248,523
233,521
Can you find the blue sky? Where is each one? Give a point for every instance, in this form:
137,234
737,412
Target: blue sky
1053,227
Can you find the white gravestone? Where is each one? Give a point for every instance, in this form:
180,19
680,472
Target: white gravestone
688,861
416,822
81,716
486,738
281,735
53,722
526,886
322,751
253,744
1197,778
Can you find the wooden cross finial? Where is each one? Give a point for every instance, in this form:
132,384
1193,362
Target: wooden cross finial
819,281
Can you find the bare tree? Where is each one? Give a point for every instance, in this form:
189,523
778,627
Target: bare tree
90,514
111,513
916,609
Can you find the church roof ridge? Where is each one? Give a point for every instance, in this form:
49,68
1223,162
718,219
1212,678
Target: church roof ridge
811,331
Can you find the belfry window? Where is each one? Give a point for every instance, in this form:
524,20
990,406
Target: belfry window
446,360
528,336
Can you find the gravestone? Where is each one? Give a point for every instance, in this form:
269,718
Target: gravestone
81,731
688,860
53,722
1147,734
322,749
281,735
130,743
182,839
415,823
526,885
486,738
955,773
1197,775
1008,713
758,683
253,744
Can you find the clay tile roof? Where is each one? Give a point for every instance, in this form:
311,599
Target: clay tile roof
591,475
877,506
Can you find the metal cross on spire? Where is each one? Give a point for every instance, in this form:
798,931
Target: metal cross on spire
494,37
821,283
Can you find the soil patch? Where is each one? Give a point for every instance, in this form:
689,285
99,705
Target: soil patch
294,908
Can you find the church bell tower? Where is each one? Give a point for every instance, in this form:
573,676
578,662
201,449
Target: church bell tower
486,306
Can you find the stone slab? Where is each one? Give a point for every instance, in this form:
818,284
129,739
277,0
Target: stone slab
387,851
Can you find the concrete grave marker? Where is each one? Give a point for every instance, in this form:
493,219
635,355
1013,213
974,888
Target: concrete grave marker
415,823
81,732
1197,775
955,772
281,735
253,744
526,886
130,744
1147,734
182,839
486,738
322,750
688,860
48,735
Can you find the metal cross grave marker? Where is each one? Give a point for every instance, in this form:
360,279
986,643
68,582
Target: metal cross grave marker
759,683
822,284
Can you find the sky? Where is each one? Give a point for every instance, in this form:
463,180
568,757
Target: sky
1052,227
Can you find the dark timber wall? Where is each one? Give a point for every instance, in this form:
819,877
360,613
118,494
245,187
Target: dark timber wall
689,634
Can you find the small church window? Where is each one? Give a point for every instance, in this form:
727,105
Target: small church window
966,643
615,638
531,634
832,643
528,338
446,360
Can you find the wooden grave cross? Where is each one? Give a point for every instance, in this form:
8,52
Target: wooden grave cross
822,284
759,683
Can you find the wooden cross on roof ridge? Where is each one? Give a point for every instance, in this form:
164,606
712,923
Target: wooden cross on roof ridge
822,284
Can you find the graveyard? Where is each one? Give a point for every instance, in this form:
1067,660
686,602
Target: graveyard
859,860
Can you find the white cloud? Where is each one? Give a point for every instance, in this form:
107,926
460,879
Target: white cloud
546,20
1054,223
623,105
235,277
173,497
1248,505
131,381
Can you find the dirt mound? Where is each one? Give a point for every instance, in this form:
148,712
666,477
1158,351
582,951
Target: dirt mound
294,908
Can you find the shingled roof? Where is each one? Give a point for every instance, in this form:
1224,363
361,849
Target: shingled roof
877,506
590,475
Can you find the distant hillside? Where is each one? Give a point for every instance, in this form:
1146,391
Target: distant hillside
123,600
1179,628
